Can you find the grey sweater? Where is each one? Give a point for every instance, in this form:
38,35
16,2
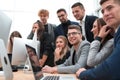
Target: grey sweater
95,56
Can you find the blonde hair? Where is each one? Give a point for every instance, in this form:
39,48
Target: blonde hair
43,12
66,47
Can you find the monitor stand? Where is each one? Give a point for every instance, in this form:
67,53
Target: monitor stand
27,67
1,73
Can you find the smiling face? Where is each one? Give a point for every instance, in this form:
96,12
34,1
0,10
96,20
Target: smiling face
95,29
74,36
35,27
78,12
44,18
62,16
60,43
111,13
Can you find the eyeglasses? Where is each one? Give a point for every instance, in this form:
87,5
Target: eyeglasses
73,33
61,15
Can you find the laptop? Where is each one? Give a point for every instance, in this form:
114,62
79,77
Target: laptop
36,69
5,62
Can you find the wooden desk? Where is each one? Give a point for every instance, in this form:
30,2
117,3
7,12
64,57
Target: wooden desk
21,75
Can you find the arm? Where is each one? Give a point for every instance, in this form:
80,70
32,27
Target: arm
57,54
81,62
67,66
43,60
9,47
45,47
30,36
107,70
95,56
65,57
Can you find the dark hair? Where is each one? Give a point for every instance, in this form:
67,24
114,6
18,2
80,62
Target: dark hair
14,34
102,1
40,30
61,9
78,4
78,28
75,27
101,23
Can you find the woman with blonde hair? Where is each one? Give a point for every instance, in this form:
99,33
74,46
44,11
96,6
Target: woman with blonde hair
61,52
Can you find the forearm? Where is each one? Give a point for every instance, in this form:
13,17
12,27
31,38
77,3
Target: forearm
43,60
100,73
94,48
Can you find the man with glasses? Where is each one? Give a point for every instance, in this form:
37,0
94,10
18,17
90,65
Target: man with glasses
78,53
63,27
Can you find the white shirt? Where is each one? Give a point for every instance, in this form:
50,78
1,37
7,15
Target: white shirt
82,24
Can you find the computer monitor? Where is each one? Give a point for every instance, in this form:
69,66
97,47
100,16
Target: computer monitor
5,24
5,62
19,54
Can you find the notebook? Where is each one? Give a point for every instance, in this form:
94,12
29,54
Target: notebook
34,61
7,71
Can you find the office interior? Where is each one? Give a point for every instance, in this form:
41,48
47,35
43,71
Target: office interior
25,12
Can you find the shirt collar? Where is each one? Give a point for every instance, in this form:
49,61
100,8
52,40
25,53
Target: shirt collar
117,29
83,20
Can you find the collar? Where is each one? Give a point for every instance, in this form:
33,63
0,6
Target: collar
83,20
117,29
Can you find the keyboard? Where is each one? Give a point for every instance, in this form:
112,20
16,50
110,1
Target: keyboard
51,78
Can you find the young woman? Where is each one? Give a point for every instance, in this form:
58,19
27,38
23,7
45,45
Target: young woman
46,51
10,43
102,46
62,51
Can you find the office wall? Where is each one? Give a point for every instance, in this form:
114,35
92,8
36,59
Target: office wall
24,12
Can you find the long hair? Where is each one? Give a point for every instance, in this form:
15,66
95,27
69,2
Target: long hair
40,29
101,23
66,48
12,35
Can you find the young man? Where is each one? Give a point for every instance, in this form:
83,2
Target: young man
86,22
49,28
78,53
110,68
62,28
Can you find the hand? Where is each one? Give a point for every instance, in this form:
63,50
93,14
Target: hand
41,62
103,33
79,71
58,50
47,69
57,53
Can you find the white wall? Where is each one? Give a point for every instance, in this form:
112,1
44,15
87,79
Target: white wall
24,12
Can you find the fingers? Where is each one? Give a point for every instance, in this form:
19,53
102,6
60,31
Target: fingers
79,71
104,31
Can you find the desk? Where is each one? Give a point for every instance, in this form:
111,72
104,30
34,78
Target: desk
21,75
